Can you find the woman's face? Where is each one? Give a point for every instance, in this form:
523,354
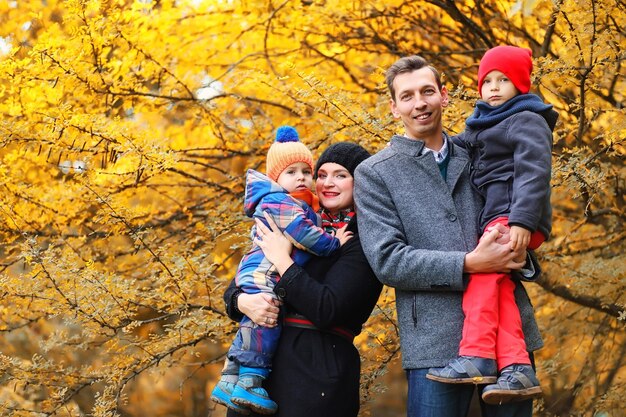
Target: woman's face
334,187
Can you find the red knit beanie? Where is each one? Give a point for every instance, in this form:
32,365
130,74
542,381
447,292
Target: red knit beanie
516,63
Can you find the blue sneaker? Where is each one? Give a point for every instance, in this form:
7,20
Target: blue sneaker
221,395
250,393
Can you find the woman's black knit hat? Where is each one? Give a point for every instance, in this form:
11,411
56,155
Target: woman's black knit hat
347,154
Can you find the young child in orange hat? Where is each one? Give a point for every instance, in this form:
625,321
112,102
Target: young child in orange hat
285,194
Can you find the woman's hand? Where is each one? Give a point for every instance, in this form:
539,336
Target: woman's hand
275,246
261,308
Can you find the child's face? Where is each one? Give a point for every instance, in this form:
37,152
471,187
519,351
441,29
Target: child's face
297,176
497,89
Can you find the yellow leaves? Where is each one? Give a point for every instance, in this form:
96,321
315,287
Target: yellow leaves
121,268
525,7
289,65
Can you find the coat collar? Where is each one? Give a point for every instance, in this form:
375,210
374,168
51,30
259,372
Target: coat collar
457,166
415,147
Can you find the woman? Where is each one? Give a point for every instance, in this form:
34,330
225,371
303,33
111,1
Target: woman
316,368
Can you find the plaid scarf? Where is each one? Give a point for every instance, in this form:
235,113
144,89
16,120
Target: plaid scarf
331,223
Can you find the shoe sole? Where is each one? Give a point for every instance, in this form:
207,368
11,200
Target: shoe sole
252,406
503,396
478,380
227,403
231,406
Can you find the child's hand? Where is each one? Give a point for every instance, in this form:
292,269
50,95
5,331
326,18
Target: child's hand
520,238
343,235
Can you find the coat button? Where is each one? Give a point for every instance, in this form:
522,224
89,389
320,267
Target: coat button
452,217
281,292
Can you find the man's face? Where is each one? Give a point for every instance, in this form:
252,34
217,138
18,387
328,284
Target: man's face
419,103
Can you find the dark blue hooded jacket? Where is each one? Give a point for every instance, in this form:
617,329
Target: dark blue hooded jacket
510,147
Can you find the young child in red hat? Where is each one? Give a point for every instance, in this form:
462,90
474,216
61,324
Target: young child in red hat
509,139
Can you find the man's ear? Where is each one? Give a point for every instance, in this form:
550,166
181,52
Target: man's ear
394,109
445,99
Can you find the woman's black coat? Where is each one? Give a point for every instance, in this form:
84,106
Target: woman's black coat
316,373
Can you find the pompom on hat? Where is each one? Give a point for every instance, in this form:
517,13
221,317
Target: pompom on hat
347,154
286,150
516,63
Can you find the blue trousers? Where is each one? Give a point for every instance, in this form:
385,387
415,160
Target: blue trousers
254,346
427,398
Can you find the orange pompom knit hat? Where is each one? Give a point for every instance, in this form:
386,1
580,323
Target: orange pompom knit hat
286,150
516,63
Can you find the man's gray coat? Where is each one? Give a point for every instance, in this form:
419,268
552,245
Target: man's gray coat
416,228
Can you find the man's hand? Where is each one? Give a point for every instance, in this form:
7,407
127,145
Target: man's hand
490,256
504,236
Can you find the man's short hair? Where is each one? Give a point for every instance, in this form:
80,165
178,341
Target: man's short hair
408,64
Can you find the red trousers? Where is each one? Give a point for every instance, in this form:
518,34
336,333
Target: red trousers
493,327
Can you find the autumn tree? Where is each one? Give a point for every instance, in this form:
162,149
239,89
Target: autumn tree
127,127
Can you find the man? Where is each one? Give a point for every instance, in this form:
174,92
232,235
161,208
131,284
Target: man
418,218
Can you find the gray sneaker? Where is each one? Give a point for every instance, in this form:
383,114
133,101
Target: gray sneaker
515,383
466,370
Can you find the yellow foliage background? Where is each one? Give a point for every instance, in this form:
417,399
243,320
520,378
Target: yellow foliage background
125,130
